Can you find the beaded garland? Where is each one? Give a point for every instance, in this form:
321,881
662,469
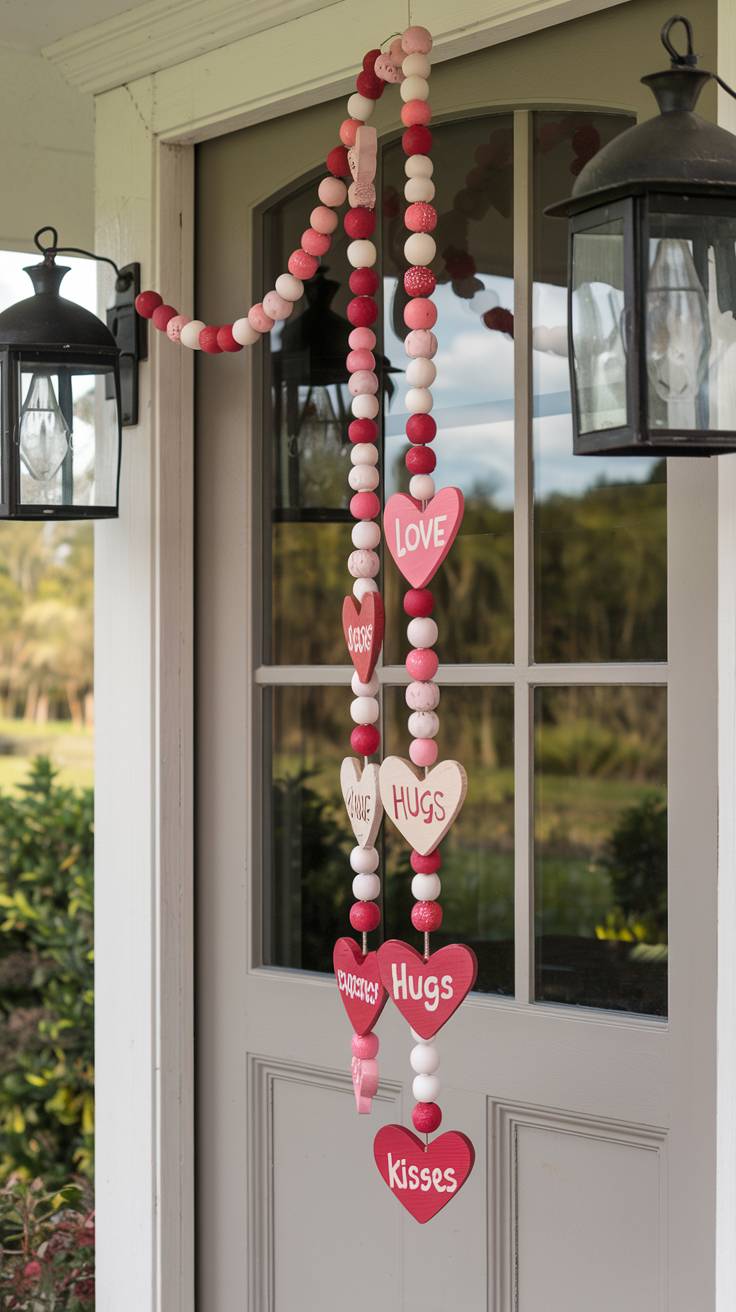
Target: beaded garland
422,796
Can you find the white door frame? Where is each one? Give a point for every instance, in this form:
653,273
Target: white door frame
144,623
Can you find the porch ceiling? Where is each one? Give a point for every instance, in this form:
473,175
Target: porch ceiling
30,27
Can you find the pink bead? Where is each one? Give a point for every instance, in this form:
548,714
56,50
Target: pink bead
416,41
302,265
423,751
365,505
426,1117
315,243
415,111
362,339
258,319
421,664
363,383
175,325
365,1046
419,344
426,917
422,697
396,51
277,307
323,219
426,865
332,191
360,360
421,217
420,313
348,129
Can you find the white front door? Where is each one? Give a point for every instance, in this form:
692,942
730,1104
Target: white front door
576,618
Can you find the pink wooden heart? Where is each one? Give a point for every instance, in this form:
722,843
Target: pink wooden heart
387,70
422,806
427,993
363,628
365,1082
424,1177
420,539
362,164
359,983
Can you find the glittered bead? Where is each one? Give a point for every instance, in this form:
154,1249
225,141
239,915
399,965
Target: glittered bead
347,131
337,162
360,222
365,1046
424,724
258,318
419,281
363,565
208,340
358,360
416,40
362,430
420,342
147,302
426,1117
225,339
421,487
416,111
364,739
364,710
420,248
416,65
418,166
422,632
422,664
418,188
421,372
420,460
365,405
364,917
423,752
365,505
425,1088
424,1059
277,307
420,313
418,400
421,428
363,383
175,325
323,219
421,217
245,333
362,311
360,689
416,140
360,338
364,453
366,888
418,602
315,243
425,865
363,586
360,107
302,265
161,316
362,254
426,888
366,535
426,917
414,88
190,334
332,191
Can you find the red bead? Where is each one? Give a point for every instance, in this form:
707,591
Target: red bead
147,302
426,916
419,281
420,217
225,339
365,505
420,460
364,739
417,140
418,602
369,60
365,916
426,865
208,339
367,84
161,316
337,162
426,1117
363,282
415,111
362,311
363,430
420,428
360,222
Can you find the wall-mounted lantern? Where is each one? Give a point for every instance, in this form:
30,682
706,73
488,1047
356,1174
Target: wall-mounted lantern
68,383
652,279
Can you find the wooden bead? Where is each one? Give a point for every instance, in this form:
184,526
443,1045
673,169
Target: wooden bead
425,1088
364,741
420,248
315,243
367,84
416,189
365,1046
424,724
364,453
416,140
426,1117
357,360
419,281
416,40
363,383
362,430
416,111
277,307
362,255
421,372
421,487
333,192
360,107
416,65
258,319
420,313
366,536
364,860
422,632
337,162
361,689
365,406
323,220
208,339
302,265
418,166
426,917
190,334
362,338
348,130
418,602
363,478
414,88
147,302
421,428
420,460
175,325
425,865
418,401
365,505
225,339
364,710
426,888
420,217
161,316
364,917
363,282
363,564
362,586
291,288
423,752
422,664
424,1059
420,342
245,333
360,222
363,311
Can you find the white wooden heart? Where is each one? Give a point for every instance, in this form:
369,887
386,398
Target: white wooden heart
423,807
362,799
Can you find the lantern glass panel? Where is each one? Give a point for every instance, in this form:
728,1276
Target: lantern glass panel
68,440
689,325
598,332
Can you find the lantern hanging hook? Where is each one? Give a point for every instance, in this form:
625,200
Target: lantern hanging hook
689,59
122,280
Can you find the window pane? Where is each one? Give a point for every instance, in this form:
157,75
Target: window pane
478,854
474,405
598,326
600,522
601,847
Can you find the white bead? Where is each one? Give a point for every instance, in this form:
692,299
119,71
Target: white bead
419,400
419,189
291,288
364,453
363,564
424,724
426,888
366,888
360,107
424,1059
365,710
420,248
361,586
418,166
416,65
363,478
189,335
421,372
362,254
421,487
422,631
365,406
422,696
414,88
244,332
366,534
362,689
364,860
425,1088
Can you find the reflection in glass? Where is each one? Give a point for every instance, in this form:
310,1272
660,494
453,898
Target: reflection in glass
67,436
474,404
600,829
599,523
478,854
597,326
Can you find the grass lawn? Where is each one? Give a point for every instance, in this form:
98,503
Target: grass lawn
70,749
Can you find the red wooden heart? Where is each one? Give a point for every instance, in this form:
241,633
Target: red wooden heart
425,1178
363,628
420,539
359,983
426,992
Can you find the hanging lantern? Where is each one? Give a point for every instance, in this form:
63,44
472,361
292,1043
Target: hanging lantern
652,279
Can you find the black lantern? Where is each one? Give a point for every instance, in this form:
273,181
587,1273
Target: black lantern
652,280
60,401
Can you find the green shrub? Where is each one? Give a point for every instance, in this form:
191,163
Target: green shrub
47,1248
